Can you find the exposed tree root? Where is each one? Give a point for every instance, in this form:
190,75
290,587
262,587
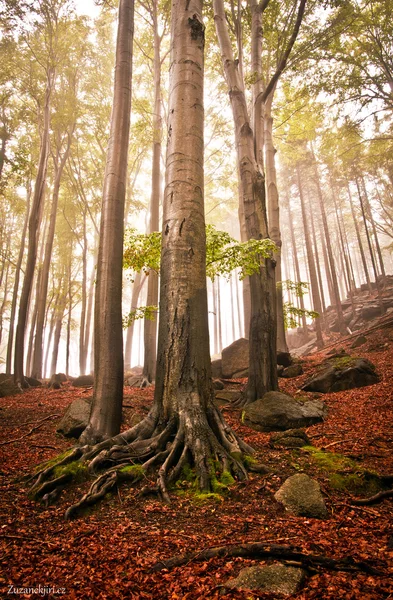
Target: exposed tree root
201,439
261,550
373,499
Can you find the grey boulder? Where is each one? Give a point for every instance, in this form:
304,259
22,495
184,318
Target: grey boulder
75,419
273,579
342,373
278,412
235,359
302,497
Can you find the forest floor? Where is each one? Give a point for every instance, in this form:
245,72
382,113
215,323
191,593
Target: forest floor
108,552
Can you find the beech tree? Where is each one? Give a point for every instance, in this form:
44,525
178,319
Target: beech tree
105,417
46,32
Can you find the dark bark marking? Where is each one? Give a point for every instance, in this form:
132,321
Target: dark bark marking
167,229
246,130
197,28
181,226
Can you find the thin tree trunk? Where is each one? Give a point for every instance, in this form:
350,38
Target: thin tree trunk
137,287
370,247
246,281
232,300
375,234
105,417
239,316
263,331
218,317
274,221
39,330
69,298
34,222
311,263
332,265
359,239
150,326
318,265
300,298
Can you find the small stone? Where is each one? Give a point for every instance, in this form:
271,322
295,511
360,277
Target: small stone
360,340
83,381
302,497
292,371
292,438
227,395
273,579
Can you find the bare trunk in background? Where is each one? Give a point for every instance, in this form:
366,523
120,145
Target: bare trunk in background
105,417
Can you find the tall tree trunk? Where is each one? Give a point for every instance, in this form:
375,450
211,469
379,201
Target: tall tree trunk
39,330
105,417
311,263
138,284
239,316
215,316
16,287
297,266
375,234
232,301
82,322
59,314
374,265
317,262
263,331
332,265
246,281
150,326
88,323
183,426
34,222
69,300
359,239
274,220
218,317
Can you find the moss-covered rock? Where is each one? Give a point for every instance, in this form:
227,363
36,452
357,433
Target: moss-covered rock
342,373
344,473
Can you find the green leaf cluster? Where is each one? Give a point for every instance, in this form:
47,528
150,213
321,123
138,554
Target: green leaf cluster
141,312
224,254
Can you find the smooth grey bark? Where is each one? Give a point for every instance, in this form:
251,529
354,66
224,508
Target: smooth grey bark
332,264
138,284
274,220
150,325
105,417
369,214
33,232
373,262
262,333
310,260
59,164
296,265
359,239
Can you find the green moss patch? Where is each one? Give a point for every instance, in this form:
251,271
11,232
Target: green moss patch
344,473
53,461
76,469
342,362
135,472
209,497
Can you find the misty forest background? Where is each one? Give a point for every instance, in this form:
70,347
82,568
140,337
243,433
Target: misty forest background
327,158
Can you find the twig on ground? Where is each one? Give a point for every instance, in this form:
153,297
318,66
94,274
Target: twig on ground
263,550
